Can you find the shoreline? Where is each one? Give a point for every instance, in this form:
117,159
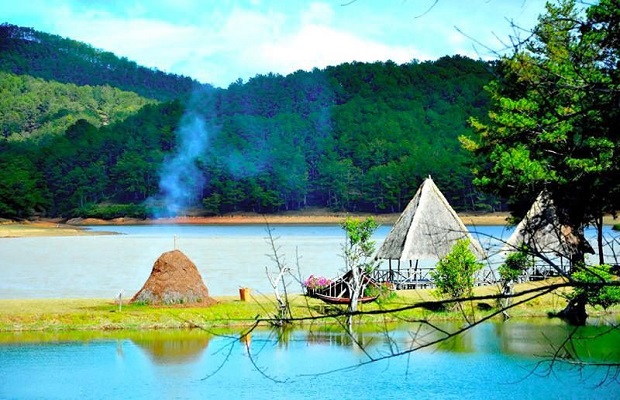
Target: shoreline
76,226
294,218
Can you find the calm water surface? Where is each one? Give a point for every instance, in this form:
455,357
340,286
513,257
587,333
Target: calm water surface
494,361
228,257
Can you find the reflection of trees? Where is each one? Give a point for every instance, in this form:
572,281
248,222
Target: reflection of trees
342,338
543,340
174,347
587,343
369,338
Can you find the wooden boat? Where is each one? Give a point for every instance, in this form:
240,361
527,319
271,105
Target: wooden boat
337,292
343,300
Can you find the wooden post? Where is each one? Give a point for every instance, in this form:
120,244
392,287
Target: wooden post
120,300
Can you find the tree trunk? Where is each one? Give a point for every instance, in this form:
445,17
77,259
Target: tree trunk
575,311
599,239
507,291
354,289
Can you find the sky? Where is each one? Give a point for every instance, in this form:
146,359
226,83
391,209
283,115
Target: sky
221,41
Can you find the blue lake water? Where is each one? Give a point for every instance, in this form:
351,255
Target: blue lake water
494,361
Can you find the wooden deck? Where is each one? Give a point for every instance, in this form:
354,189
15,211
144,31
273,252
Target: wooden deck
420,278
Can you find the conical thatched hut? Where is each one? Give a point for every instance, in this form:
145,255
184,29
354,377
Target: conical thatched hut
542,232
427,229
174,280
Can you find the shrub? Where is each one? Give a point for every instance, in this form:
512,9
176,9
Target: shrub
597,295
454,275
515,264
111,211
384,290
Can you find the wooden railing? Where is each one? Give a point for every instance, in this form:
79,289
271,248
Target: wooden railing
418,278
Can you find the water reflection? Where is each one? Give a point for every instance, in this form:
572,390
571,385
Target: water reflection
541,338
173,347
356,339
530,338
552,338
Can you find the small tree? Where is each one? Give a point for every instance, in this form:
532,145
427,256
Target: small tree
284,314
358,252
455,273
510,271
514,266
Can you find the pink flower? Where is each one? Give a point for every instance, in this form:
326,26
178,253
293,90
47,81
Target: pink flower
316,282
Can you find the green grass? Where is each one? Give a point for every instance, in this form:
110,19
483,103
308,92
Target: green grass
57,315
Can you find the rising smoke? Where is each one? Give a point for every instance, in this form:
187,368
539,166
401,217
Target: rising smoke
236,140
181,180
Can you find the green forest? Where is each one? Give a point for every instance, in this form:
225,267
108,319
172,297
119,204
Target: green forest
85,133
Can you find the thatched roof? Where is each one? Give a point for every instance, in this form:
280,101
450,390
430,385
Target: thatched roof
428,228
542,231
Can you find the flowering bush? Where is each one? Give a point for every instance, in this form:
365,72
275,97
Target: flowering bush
316,282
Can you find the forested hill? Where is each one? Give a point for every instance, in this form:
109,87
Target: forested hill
356,137
25,51
35,109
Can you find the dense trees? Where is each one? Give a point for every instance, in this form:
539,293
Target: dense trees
31,108
355,137
21,185
362,138
24,51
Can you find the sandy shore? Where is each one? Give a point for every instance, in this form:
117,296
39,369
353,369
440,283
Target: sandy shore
39,228
75,227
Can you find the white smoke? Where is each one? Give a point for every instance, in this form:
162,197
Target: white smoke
181,180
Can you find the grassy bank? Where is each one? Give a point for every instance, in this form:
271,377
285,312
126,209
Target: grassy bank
102,314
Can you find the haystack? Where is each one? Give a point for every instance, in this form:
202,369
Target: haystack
174,280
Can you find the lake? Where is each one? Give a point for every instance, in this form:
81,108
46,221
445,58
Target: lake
493,361
228,257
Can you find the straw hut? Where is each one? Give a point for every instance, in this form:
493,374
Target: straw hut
427,229
542,232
